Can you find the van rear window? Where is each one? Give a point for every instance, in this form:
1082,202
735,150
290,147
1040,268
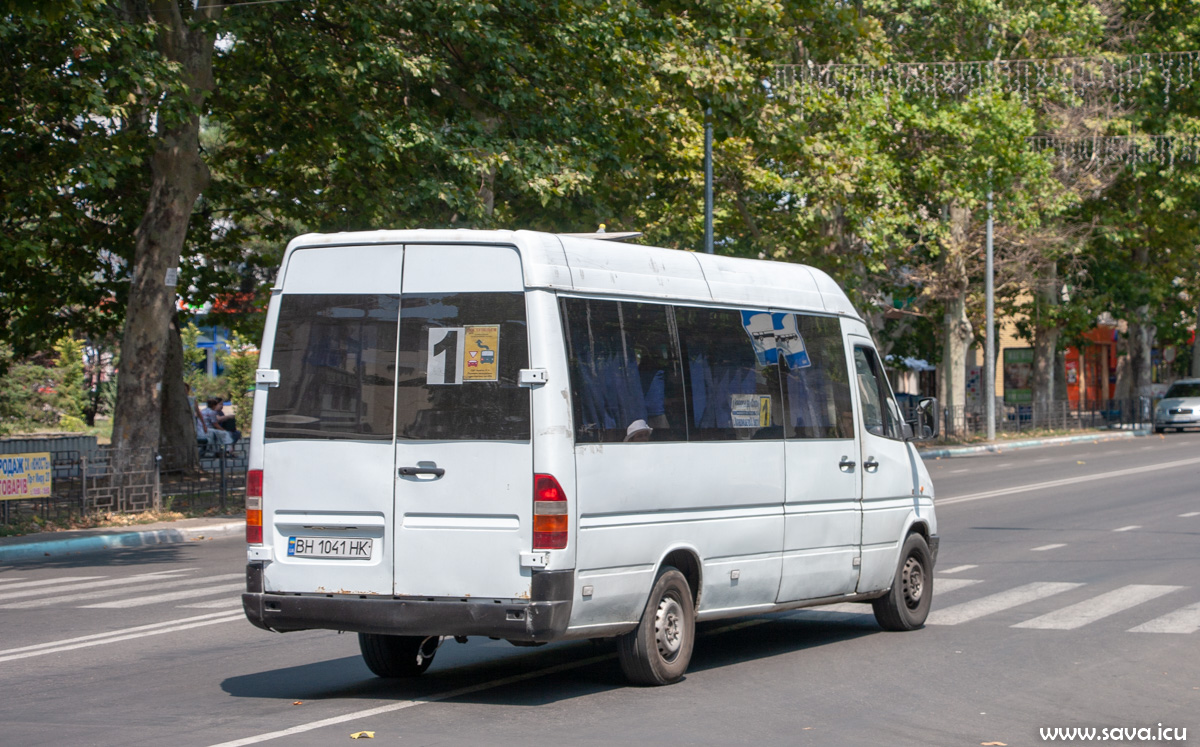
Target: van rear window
460,360
336,357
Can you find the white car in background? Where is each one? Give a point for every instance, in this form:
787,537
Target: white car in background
1180,407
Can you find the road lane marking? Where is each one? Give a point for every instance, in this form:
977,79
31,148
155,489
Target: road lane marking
1189,514
212,605
1066,481
1043,460
1044,548
1096,608
136,588
128,580
1186,620
959,471
946,585
121,604
976,608
957,569
1129,528
115,636
5,586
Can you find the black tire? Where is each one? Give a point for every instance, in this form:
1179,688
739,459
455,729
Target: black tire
1158,430
659,650
396,656
907,605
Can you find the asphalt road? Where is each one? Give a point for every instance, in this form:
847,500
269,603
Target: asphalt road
1074,602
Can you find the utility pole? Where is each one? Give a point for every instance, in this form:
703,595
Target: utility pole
708,192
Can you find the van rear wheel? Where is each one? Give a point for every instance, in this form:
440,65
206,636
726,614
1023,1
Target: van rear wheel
907,605
396,656
659,650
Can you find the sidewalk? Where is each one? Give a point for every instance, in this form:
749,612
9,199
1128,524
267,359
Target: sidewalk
998,447
83,541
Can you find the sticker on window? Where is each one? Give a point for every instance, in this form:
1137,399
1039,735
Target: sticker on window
750,410
446,345
481,355
775,334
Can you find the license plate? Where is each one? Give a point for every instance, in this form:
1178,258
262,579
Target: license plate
353,548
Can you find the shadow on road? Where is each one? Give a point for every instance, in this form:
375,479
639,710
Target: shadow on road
580,668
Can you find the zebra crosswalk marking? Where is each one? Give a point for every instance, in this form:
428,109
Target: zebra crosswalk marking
157,575
136,587
947,585
168,597
6,586
976,608
1091,610
1186,620
213,604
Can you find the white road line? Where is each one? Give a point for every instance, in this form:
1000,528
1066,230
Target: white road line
1129,528
1066,481
976,608
115,636
213,605
958,471
957,569
1044,548
128,580
121,604
1096,608
1186,620
1189,514
5,586
1043,460
947,585
138,588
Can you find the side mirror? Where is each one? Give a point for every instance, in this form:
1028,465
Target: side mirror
925,421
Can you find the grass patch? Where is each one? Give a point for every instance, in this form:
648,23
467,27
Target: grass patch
36,524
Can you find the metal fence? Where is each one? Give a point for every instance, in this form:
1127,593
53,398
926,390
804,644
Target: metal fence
102,480
971,421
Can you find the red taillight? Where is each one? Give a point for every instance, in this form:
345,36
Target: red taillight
254,491
550,520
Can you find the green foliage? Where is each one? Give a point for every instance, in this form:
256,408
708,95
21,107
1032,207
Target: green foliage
240,362
35,396
69,384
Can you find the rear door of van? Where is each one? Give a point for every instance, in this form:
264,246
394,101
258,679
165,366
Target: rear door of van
328,431
463,453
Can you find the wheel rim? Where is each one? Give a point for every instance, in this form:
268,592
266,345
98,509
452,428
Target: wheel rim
913,582
668,628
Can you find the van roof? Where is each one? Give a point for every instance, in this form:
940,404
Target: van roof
594,267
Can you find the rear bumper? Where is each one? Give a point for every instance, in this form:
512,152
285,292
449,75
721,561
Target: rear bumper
542,618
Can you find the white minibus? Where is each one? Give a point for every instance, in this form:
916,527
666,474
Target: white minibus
539,437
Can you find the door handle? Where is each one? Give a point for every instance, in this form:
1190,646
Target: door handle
870,465
414,471
846,464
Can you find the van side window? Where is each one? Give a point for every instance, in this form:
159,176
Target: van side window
816,383
625,372
880,414
732,377
458,367
336,356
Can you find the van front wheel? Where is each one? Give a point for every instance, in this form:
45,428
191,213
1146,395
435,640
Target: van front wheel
659,650
906,606
397,655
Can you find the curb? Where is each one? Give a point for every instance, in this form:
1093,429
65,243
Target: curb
997,448
98,542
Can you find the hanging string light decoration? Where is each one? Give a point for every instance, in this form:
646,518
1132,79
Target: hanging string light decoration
1081,77
1164,150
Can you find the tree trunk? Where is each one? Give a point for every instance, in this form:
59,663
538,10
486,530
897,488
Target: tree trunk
178,176
1045,339
1141,340
177,440
957,329
1196,348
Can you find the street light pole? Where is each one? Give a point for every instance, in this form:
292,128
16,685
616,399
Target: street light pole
708,191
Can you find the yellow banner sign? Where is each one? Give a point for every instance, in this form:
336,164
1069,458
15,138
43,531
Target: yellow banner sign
24,476
481,354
